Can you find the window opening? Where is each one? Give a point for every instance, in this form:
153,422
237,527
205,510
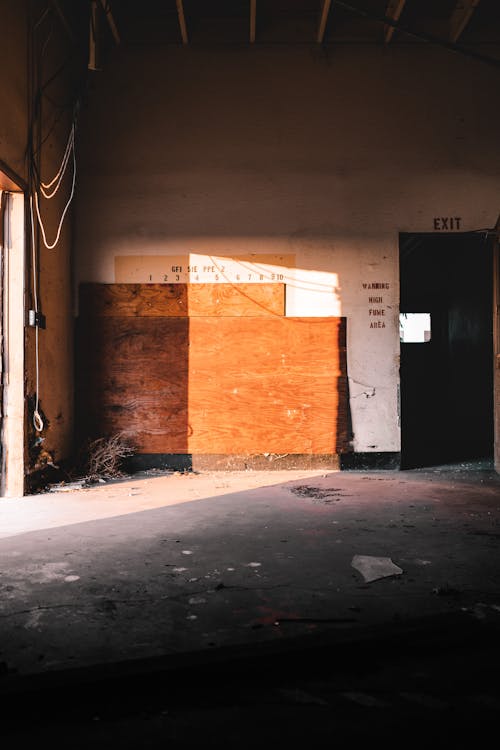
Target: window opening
414,328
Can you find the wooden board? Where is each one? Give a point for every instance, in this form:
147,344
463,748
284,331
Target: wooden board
264,388
161,300
216,385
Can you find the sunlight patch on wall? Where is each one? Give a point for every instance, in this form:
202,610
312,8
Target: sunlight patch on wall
309,293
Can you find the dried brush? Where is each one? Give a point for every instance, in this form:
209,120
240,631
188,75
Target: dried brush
105,457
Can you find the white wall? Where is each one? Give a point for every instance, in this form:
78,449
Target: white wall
325,156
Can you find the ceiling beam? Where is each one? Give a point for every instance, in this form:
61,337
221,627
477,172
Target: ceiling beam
67,27
253,20
182,21
461,16
393,11
325,10
93,63
111,21
8,185
422,35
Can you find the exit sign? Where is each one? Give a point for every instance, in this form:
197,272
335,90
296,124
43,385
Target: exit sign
447,223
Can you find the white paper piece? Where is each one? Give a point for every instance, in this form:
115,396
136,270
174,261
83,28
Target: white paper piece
373,568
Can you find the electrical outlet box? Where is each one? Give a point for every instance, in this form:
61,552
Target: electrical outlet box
36,319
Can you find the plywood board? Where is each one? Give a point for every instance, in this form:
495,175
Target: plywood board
162,300
216,385
132,377
274,387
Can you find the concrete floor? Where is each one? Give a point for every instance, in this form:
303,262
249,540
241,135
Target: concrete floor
166,567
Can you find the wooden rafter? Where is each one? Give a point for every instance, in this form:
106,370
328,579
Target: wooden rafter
67,27
111,21
253,20
8,184
93,36
461,16
323,18
182,21
393,11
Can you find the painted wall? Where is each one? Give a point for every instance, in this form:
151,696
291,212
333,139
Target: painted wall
55,287
320,155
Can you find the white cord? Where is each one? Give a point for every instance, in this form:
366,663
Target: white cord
37,207
37,419
48,194
60,175
67,150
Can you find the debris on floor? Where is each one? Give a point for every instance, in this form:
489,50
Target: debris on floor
318,494
296,695
372,568
105,457
67,486
445,590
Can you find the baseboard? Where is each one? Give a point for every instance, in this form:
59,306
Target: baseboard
383,460
222,462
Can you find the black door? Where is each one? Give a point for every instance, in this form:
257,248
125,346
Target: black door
447,373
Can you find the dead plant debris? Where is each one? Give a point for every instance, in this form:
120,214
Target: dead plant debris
105,457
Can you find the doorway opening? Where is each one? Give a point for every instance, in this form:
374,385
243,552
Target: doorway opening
446,332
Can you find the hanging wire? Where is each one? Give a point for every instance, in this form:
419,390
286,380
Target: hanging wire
44,186
59,177
36,186
37,419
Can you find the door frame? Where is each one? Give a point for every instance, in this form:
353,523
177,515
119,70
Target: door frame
496,346
13,345
494,236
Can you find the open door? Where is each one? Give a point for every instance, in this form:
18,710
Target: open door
446,348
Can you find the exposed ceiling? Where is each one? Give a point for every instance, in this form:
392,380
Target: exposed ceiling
471,23
470,27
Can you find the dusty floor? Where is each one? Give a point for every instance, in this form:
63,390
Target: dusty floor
175,572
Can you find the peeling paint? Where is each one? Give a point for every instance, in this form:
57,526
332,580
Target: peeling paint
368,391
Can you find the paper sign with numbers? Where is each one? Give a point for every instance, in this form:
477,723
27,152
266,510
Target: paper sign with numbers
253,268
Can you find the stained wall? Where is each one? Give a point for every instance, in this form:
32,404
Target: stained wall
319,156
37,91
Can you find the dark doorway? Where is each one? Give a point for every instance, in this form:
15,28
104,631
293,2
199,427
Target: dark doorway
446,355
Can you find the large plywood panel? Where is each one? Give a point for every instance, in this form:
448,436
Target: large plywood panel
133,378
275,387
216,385
159,300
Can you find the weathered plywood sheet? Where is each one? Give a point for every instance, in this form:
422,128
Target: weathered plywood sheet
273,387
161,300
210,385
133,377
